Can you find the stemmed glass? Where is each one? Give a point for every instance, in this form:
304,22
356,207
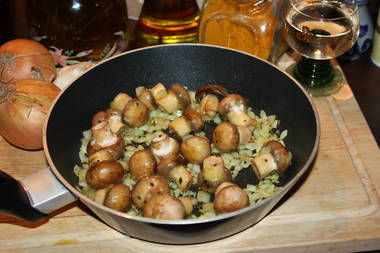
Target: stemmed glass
320,30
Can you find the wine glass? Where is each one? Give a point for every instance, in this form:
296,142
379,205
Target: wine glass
320,30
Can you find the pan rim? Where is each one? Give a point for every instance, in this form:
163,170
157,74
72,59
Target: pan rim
219,217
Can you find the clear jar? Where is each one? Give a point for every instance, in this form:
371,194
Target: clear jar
79,30
246,25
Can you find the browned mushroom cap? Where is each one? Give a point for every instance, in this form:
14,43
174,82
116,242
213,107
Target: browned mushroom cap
230,198
195,149
119,198
210,89
232,102
104,173
280,154
195,119
168,163
100,156
135,113
142,163
212,174
182,95
146,187
226,137
164,206
146,97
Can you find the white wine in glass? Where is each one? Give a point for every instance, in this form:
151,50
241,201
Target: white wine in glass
320,30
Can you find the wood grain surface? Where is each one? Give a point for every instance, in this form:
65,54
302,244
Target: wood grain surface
334,208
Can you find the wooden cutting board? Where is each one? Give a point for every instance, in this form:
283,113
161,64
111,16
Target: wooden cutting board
334,208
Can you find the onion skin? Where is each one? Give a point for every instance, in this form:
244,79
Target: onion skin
23,58
24,106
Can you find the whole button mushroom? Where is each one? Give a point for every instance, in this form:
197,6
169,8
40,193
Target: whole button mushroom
226,137
272,158
146,97
234,109
208,98
142,163
119,198
135,113
164,206
105,139
191,121
195,149
168,163
212,174
146,187
230,197
163,146
104,174
177,98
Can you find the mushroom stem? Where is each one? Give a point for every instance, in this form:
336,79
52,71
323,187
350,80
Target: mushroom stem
120,101
169,103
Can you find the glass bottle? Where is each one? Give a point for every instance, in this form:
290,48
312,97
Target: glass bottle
79,30
166,21
247,25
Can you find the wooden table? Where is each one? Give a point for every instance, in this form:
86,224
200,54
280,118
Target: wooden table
334,208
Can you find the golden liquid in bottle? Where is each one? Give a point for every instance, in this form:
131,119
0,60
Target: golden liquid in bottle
246,25
82,30
167,21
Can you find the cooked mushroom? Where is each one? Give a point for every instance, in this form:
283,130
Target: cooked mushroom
142,163
119,198
168,163
176,98
114,119
181,177
209,106
191,121
145,96
164,206
146,187
195,149
212,174
135,113
99,156
104,173
188,204
158,91
226,137
211,89
230,198
182,95
234,108
100,195
163,146
120,101
272,158
105,139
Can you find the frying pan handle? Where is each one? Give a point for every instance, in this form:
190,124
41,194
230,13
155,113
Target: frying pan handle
33,197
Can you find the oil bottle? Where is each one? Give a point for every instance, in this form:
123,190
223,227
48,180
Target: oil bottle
79,30
166,21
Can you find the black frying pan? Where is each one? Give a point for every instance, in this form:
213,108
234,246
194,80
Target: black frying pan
193,65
